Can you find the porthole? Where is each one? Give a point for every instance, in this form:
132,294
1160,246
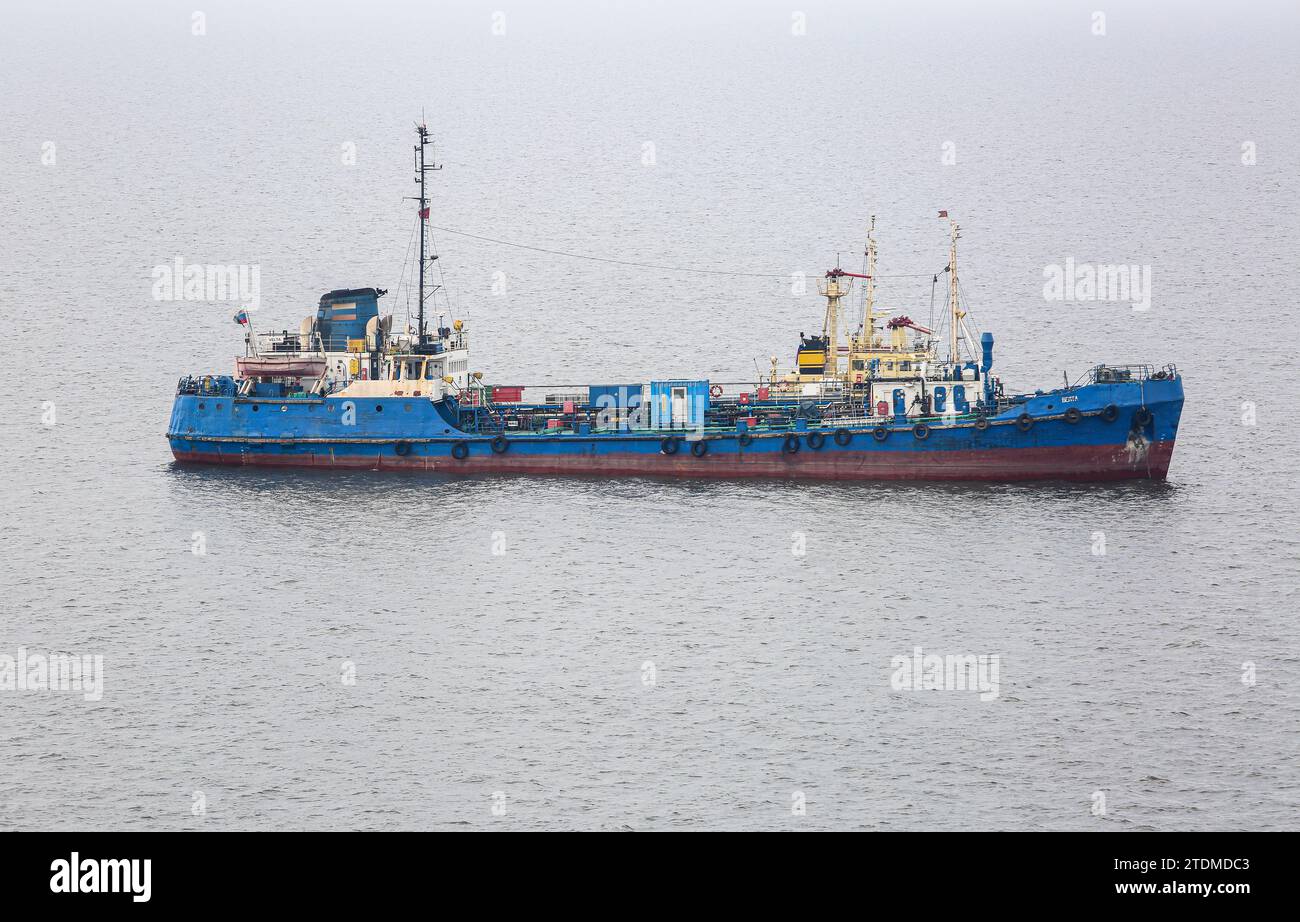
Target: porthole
256,408
283,408
407,408
379,408
201,405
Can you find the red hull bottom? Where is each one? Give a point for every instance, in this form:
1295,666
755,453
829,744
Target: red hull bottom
1075,462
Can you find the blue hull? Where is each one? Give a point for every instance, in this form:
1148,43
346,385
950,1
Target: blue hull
1095,432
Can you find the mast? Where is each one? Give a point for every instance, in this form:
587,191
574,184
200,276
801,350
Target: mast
832,289
422,166
954,310
869,320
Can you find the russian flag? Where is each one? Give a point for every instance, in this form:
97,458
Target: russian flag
242,318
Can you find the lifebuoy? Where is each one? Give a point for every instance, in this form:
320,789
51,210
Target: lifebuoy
816,440
1111,413
843,437
402,448
670,445
700,448
981,423
500,444
743,398
880,433
921,431
1024,422
1072,415
1142,418
791,446
715,390
460,451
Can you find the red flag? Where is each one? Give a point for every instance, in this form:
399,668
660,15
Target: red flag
943,214
424,213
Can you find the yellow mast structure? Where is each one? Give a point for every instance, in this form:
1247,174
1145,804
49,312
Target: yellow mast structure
833,289
872,356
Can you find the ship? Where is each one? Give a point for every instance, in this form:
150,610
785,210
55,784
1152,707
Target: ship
886,402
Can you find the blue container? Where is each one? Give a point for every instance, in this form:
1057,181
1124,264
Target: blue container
678,404
615,396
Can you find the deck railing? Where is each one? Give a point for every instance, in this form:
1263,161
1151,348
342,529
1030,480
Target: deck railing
1117,374
287,342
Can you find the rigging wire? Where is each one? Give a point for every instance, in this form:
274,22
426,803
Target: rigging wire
401,277
933,284
442,276
941,325
642,265
970,322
